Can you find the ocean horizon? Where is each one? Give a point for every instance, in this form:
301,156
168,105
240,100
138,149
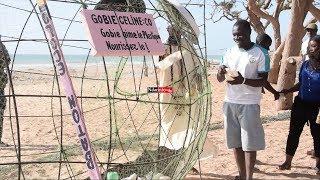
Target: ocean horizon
45,59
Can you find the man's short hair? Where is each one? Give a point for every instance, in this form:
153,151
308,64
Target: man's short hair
243,23
263,37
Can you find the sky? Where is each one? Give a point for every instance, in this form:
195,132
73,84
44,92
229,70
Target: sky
14,22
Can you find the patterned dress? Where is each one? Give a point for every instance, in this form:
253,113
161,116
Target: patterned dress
137,6
4,56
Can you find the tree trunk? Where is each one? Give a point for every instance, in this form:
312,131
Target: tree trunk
290,65
292,47
275,64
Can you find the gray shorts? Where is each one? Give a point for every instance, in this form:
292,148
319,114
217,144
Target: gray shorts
243,126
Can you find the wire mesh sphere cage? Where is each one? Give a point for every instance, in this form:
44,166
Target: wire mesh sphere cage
145,115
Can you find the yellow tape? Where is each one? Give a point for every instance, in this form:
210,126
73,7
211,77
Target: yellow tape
41,2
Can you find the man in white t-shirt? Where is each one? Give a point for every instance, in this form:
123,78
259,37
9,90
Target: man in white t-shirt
245,67
311,29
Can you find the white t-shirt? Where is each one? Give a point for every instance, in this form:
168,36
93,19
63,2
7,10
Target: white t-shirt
249,63
304,48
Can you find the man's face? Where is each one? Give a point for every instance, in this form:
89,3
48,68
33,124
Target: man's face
311,32
314,50
241,36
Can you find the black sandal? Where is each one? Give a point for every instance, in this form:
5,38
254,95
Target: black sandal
237,178
284,166
194,171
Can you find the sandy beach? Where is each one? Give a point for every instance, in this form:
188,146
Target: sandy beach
41,116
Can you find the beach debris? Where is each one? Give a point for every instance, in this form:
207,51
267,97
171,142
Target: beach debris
133,176
158,176
112,176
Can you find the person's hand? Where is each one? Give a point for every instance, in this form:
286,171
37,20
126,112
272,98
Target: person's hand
167,53
163,56
222,70
237,80
221,73
276,95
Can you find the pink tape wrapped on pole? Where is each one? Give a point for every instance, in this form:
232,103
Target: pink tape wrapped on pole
65,79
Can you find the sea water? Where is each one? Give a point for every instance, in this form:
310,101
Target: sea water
45,60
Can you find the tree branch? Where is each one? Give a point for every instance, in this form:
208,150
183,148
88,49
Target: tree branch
314,11
256,23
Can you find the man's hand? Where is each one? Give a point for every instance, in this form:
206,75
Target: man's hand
276,95
293,89
237,80
221,72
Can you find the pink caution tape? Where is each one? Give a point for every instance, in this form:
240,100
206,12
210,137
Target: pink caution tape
65,79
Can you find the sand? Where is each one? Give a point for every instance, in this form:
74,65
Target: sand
40,132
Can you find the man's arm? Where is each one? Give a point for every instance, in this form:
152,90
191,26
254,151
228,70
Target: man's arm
257,82
275,93
270,88
261,82
295,88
